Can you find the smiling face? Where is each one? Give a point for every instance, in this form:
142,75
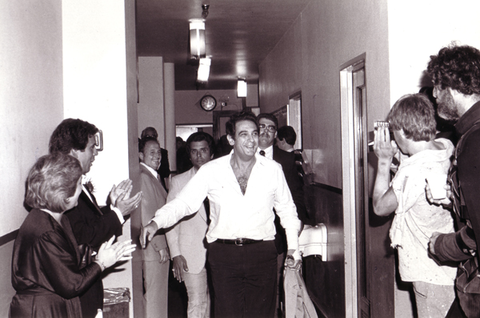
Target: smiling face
86,156
245,142
151,155
268,133
199,153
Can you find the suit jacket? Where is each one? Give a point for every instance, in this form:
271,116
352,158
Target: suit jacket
295,184
187,238
93,226
294,181
154,197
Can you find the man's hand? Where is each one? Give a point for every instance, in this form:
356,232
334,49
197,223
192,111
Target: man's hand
291,261
127,205
147,233
445,202
164,255
431,243
383,147
124,187
179,265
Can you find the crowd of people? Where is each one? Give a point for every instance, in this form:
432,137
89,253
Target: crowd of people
228,223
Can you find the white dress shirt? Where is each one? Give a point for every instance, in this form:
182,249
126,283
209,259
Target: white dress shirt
232,214
268,152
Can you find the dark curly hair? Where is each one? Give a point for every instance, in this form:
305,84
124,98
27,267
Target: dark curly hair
268,116
200,136
234,119
71,134
457,67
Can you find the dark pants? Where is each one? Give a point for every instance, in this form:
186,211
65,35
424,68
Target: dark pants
244,279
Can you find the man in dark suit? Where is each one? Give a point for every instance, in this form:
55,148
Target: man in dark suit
91,224
268,125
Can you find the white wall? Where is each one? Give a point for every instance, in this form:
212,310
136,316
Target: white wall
99,67
151,111
30,107
308,58
30,95
414,35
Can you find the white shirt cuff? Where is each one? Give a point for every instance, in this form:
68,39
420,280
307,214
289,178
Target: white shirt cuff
118,213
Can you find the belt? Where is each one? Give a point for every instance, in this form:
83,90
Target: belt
238,241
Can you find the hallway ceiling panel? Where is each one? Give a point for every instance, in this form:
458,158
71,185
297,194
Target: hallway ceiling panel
239,34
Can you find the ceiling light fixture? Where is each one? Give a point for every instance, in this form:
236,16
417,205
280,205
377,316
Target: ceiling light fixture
241,87
203,69
205,10
197,38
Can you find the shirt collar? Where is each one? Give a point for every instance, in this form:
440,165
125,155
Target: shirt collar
153,172
268,152
470,117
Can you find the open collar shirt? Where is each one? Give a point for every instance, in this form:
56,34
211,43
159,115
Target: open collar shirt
232,214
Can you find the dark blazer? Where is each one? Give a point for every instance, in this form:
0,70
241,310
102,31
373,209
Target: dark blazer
294,181
92,226
46,271
295,184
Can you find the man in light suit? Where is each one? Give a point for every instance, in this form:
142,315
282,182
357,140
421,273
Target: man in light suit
155,258
164,169
186,239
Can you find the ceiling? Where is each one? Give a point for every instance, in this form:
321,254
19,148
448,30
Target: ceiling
239,35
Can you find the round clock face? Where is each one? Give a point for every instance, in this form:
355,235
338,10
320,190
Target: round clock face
208,102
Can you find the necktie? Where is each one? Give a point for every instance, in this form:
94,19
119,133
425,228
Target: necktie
262,153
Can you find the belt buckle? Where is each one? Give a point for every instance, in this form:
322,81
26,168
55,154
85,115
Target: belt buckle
239,241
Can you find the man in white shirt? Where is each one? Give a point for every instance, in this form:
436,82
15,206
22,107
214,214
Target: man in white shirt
186,240
243,188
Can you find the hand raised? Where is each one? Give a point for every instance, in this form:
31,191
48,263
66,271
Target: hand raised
123,188
126,206
383,147
110,253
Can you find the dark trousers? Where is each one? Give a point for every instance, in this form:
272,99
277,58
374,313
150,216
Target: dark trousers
244,279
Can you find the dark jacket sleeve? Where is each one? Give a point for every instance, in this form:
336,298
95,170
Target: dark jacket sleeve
294,181
455,246
91,226
61,268
468,163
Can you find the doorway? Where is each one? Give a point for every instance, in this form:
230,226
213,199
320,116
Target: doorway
294,117
369,268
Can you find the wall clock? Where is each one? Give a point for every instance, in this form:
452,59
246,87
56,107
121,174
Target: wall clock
208,102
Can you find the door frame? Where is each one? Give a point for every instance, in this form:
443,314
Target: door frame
347,100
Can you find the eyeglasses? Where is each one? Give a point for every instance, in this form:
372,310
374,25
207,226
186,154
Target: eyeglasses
270,128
